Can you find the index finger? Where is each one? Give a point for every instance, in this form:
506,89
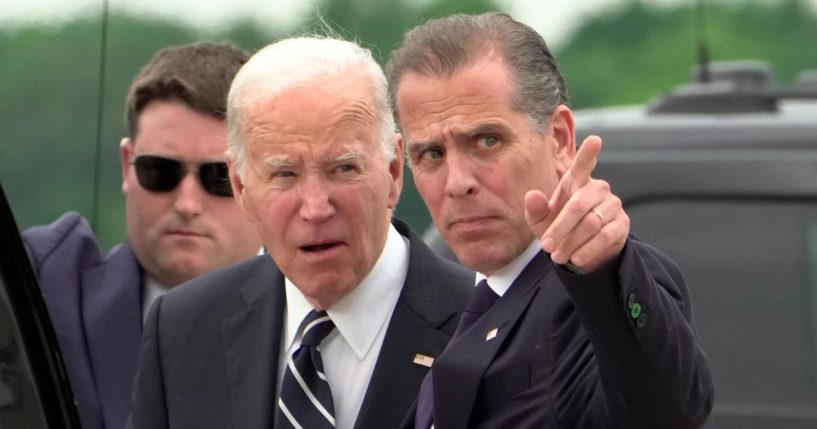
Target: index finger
585,161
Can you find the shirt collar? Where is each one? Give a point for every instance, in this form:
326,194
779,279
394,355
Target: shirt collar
152,290
361,314
501,280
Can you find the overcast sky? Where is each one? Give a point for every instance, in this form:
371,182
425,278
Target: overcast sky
554,19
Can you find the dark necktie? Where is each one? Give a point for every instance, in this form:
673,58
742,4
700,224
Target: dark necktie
306,400
482,300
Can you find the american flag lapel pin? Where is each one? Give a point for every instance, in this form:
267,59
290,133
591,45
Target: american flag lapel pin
423,360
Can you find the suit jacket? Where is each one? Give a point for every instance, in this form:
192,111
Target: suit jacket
211,347
610,349
95,305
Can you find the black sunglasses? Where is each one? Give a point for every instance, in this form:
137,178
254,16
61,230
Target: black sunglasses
159,174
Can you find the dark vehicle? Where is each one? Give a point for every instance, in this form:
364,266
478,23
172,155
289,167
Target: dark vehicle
722,176
34,390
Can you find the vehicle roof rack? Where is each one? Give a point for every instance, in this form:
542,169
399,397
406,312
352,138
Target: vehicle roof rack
733,87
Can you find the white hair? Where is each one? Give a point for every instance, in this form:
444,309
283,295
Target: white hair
289,63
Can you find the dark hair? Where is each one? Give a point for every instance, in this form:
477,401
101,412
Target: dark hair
443,46
197,75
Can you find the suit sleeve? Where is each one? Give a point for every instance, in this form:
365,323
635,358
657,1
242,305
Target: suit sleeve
638,317
149,409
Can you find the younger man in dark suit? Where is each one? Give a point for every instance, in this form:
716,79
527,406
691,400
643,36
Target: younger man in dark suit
579,324
337,326
181,220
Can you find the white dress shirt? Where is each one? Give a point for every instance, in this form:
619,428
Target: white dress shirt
152,290
501,280
350,351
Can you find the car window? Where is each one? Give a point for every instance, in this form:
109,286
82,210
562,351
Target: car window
751,265
19,402
34,391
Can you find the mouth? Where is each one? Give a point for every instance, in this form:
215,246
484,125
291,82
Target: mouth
185,233
470,221
473,227
320,247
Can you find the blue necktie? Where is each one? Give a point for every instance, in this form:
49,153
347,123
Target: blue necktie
306,400
481,301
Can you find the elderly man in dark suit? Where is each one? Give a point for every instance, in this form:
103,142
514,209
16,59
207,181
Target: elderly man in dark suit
338,325
575,323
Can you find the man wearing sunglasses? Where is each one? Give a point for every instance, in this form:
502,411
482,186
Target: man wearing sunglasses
181,222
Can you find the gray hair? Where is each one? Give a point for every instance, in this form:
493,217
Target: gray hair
294,62
440,47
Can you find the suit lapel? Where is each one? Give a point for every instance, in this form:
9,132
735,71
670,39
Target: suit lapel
458,373
396,378
112,314
416,326
252,339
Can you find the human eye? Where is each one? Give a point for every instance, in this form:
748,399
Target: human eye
429,155
345,169
281,177
488,140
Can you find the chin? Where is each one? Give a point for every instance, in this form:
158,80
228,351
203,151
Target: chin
471,259
324,284
482,257
190,269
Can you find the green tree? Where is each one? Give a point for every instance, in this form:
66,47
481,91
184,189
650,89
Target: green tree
629,54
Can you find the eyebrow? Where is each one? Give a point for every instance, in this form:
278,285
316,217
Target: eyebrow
349,154
467,134
276,162
484,128
284,161
415,147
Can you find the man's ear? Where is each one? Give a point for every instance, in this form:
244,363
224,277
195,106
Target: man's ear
562,128
237,184
396,171
125,158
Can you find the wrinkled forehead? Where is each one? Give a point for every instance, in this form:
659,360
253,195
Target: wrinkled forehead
330,97
315,122
309,113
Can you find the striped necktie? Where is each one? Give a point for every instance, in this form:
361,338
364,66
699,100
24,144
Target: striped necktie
306,400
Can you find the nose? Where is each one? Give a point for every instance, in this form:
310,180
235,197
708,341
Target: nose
189,197
315,201
461,180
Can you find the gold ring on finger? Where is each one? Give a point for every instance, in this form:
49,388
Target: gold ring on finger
598,213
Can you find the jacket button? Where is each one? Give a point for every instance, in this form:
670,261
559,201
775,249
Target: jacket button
641,321
631,300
